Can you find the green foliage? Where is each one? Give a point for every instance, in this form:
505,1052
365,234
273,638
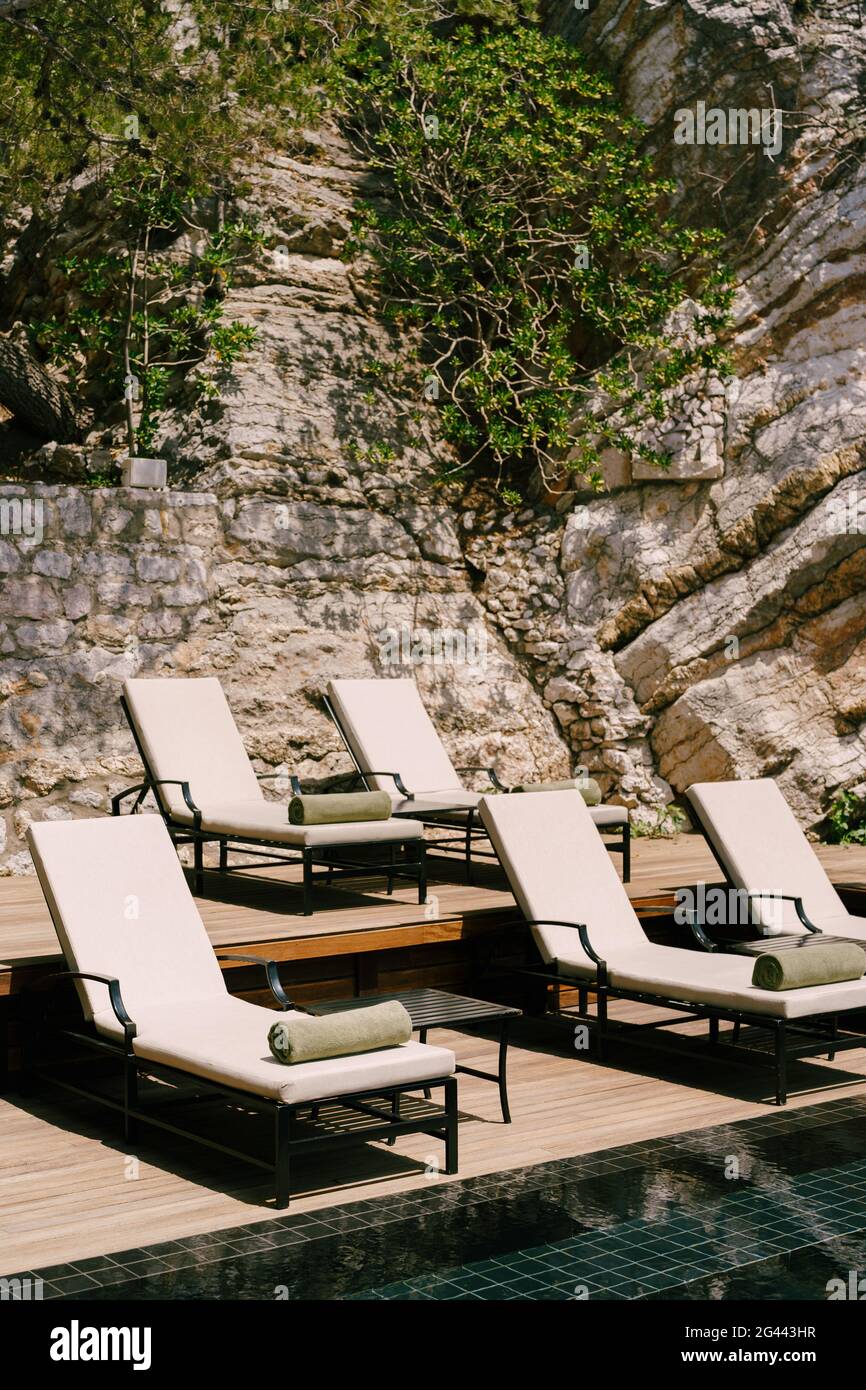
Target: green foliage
148,101
846,820
529,241
478,247
142,316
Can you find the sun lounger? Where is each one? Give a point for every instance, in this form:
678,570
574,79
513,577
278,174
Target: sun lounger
206,789
384,725
590,937
155,999
764,854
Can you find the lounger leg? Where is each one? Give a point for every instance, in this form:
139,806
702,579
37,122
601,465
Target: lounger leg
422,1037
601,1013
468,846
308,882
422,872
781,1060
503,1072
831,1055
626,853
224,856
198,858
714,1032
451,1140
582,1001
282,1139
391,875
130,1098
395,1114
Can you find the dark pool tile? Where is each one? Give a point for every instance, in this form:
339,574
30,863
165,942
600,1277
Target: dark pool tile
347,1223
131,1257
165,1247
116,1274
74,1283
203,1242
474,1282
51,1272
246,1245
184,1259
280,1239
525,1284
91,1266
147,1265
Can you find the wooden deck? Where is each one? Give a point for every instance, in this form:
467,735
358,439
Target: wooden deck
68,1189
259,906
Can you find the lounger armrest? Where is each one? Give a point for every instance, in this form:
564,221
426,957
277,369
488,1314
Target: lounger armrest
294,782
395,777
114,995
271,971
705,942
491,773
788,898
144,787
116,801
582,931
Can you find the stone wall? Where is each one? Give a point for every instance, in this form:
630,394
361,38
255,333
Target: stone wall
274,597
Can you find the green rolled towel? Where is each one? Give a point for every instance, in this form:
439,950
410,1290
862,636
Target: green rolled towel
797,967
303,1038
587,786
338,807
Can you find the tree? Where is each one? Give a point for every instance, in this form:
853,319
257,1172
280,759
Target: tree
526,235
528,239
37,399
148,101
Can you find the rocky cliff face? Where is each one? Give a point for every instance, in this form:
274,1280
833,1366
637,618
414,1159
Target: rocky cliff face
705,623
722,618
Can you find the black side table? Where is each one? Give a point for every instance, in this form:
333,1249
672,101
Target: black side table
435,1008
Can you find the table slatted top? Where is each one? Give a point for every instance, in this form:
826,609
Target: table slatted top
786,943
427,1008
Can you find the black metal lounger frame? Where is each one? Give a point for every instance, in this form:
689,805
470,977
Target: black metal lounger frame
332,859
466,841
777,941
829,1041
441,1125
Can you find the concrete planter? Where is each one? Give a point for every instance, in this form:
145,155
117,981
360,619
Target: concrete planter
140,472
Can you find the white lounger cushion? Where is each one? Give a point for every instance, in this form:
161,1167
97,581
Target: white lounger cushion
389,730
188,732
122,908
558,868
269,820
762,849
726,981
227,1042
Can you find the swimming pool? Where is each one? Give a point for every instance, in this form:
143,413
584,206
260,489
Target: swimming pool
767,1208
